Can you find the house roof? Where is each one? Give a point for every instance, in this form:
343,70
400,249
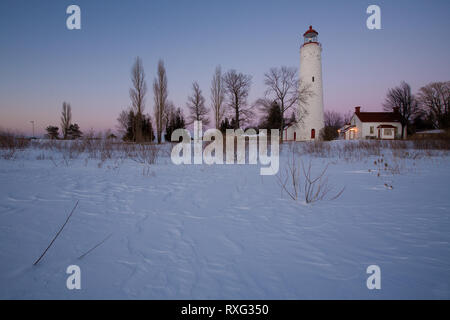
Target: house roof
378,116
346,128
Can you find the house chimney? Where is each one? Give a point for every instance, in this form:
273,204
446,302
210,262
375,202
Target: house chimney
357,109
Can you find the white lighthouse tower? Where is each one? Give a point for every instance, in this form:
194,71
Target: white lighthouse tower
311,75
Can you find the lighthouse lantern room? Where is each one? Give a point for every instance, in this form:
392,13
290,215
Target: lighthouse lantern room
310,35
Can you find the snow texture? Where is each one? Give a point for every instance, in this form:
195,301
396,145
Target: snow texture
222,231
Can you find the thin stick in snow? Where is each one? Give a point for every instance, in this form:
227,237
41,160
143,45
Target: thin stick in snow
94,247
61,229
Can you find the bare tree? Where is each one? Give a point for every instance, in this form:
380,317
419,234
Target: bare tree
169,110
137,95
196,105
434,99
284,87
122,122
402,100
160,97
263,105
333,119
217,96
347,117
237,87
66,119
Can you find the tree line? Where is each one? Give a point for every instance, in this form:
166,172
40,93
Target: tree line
283,103
228,107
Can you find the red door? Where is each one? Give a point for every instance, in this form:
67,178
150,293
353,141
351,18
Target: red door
295,136
313,133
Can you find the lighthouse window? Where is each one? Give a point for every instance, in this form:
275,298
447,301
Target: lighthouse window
313,79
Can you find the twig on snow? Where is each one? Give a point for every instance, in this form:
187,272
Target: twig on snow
94,247
60,230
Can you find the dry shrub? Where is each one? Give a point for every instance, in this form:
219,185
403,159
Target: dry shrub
317,188
435,144
145,153
354,150
317,148
362,149
299,181
289,180
106,149
10,143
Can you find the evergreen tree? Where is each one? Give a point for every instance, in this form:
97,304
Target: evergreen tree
52,132
147,133
74,132
147,129
274,117
176,121
226,124
129,135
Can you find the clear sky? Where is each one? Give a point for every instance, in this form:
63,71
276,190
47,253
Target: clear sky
42,63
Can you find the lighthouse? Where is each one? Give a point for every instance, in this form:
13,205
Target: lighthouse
312,121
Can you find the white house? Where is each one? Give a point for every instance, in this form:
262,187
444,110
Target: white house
292,132
373,125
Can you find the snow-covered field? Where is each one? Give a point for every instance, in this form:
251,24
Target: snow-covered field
222,232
